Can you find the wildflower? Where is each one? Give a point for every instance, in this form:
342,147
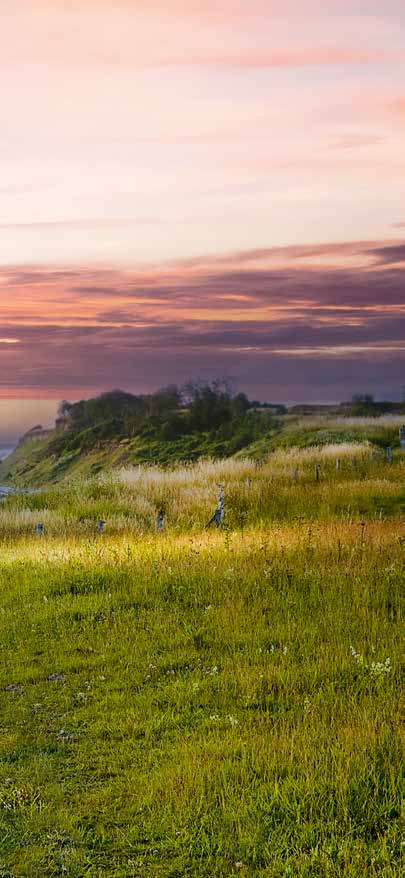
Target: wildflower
356,655
214,717
379,668
233,721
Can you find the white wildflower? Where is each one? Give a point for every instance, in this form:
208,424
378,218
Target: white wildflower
379,668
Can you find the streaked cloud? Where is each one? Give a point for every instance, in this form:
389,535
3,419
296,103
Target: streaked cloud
172,175
247,314
137,131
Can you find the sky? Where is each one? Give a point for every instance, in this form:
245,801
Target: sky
197,189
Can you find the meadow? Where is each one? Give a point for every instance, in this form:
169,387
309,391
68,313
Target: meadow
205,703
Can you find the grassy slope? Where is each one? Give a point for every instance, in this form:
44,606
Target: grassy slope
190,705
33,464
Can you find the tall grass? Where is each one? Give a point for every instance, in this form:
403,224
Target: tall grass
281,488
204,703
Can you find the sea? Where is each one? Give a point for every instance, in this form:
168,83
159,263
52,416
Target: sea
5,450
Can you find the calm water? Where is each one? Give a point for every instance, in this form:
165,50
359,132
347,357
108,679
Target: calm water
4,452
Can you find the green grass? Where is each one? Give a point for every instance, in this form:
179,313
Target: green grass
204,704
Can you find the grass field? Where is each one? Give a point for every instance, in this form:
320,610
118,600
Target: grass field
205,703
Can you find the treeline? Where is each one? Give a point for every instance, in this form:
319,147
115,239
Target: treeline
167,415
365,404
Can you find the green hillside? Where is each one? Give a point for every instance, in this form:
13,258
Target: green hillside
204,421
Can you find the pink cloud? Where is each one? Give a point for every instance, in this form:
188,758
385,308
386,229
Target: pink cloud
312,57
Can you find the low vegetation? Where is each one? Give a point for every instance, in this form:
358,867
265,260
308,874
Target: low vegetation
174,426
205,703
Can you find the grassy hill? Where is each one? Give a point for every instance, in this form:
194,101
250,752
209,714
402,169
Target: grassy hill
118,429
201,703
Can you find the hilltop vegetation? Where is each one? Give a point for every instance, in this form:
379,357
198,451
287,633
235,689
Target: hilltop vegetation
172,426
165,427
205,704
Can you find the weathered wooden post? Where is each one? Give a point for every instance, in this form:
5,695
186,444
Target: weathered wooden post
296,474
218,515
160,521
317,472
220,508
337,464
402,437
389,454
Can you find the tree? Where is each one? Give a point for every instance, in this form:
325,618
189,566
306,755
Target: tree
363,399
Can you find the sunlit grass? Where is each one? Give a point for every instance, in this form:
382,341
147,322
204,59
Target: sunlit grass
204,703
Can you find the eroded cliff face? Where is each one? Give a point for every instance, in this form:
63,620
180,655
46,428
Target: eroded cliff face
37,432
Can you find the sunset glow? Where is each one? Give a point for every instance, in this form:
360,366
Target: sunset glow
202,189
